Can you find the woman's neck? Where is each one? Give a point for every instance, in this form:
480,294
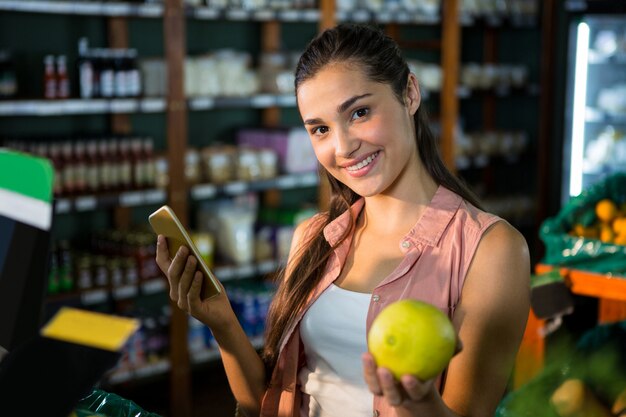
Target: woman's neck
397,213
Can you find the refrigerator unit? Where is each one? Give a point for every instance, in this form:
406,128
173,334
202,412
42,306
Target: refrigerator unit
594,143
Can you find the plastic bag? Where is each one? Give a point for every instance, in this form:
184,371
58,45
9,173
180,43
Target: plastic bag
107,404
598,358
579,252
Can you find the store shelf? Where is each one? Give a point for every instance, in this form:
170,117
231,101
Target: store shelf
284,182
260,15
96,296
532,90
83,8
155,10
387,16
106,201
146,105
163,366
259,101
80,106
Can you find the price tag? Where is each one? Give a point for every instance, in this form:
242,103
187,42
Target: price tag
200,192
384,17
92,297
117,9
93,106
289,15
150,10
264,14
237,14
130,199
153,286
124,106
152,105
208,13
87,203
125,292
309,180
286,100
202,103
53,7
154,196
262,101
63,205
87,8
285,182
235,188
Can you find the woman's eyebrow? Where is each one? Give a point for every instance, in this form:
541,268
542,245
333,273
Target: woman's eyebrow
349,102
340,108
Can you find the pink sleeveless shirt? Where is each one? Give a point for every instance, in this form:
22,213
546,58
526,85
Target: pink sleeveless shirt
437,251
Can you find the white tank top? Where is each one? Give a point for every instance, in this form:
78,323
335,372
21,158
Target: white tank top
334,338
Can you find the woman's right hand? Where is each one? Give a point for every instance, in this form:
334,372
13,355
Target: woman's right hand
185,283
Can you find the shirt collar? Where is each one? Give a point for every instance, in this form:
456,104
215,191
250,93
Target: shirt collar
336,228
428,229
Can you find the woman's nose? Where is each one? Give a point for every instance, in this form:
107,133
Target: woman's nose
345,143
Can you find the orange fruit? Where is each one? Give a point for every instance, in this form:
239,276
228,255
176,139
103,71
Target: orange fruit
606,210
620,239
606,234
619,225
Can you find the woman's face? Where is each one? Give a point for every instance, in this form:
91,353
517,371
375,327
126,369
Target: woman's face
360,132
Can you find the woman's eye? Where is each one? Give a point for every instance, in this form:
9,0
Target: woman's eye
319,130
360,113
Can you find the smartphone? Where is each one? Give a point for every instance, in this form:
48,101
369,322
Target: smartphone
164,222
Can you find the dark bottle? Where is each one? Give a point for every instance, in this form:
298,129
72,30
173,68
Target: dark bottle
49,78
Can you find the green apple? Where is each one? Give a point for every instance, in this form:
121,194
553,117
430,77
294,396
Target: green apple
412,337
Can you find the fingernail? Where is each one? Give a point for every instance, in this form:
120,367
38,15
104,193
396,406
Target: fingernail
410,382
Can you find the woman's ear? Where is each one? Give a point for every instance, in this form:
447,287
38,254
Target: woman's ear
413,95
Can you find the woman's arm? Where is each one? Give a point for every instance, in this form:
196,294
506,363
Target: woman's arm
244,369
490,320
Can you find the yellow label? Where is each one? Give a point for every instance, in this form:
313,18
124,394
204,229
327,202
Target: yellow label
87,328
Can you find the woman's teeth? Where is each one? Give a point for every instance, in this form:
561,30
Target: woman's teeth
363,163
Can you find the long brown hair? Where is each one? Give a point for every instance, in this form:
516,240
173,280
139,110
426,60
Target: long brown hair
380,58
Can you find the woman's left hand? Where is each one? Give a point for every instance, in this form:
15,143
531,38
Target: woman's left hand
406,393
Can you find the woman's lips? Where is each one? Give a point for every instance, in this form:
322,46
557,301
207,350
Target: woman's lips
363,167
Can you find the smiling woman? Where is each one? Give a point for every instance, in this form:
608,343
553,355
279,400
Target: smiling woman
399,226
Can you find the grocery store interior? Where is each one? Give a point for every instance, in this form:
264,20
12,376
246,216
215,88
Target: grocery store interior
190,103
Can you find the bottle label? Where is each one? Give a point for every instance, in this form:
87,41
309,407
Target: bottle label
86,80
107,83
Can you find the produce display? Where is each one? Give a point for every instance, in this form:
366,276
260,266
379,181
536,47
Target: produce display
589,232
606,221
